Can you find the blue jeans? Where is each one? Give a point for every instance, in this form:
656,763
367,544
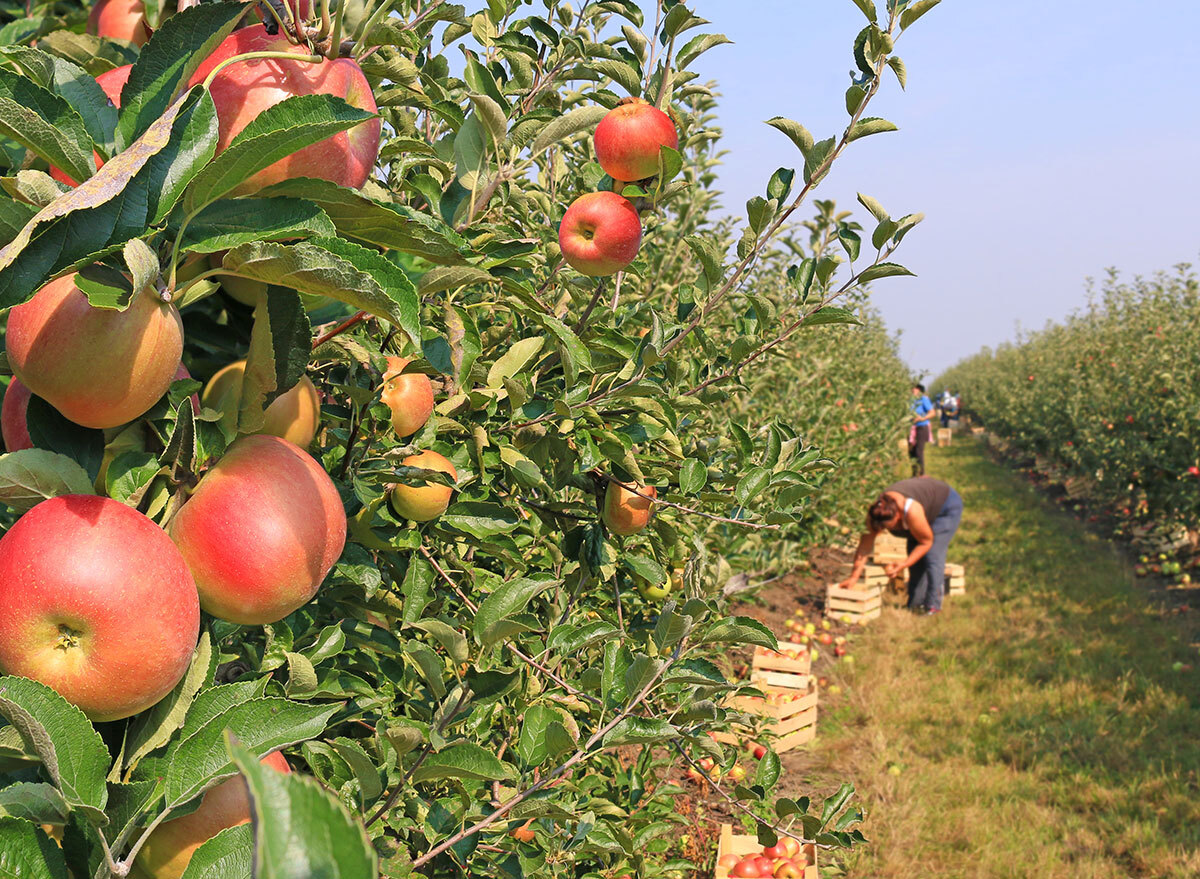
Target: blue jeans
927,578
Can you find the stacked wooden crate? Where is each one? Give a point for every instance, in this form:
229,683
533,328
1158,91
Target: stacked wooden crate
789,700
857,605
956,580
943,436
742,844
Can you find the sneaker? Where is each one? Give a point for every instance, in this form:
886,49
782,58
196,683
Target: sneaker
930,611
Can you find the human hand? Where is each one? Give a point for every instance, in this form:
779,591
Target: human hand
846,584
893,569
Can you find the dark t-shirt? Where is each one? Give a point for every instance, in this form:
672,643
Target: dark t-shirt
930,493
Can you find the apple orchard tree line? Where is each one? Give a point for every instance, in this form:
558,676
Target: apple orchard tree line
463,406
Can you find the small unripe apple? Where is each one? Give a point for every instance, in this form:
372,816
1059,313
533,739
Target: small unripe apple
169,849
119,20
409,395
426,502
99,367
261,531
96,603
600,234
294,415
627,509
629,137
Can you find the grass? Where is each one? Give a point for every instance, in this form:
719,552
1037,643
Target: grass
1038,727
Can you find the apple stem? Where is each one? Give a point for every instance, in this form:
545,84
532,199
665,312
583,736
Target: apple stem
255,56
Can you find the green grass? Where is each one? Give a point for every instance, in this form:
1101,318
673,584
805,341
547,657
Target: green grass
1038,725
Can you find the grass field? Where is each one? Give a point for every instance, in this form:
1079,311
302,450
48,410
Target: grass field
1037,728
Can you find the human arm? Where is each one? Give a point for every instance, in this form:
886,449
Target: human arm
866,543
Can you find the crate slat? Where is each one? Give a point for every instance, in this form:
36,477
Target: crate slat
742,844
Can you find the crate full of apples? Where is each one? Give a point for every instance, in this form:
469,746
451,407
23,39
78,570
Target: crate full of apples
742,857
790,712
857,605
791,657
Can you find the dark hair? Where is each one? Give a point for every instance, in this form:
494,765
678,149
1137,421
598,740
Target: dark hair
882,511
920,387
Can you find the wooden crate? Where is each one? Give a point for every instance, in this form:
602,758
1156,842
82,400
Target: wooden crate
742,844
943,436
792,723
977,431
956,580
860,604
889,548
872,574
770,660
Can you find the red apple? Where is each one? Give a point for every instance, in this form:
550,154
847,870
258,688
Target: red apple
775,852
628,140
119,20
166,854
97,366
261,531
728,861
790,845
626,509
12,417
600,234
759,752
747,868
244,89
425,502
293,415
96,603
408,394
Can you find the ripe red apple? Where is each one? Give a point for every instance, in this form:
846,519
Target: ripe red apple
425,502
628,140
790,845
408,394
775,852
97,366
626,511
244,89
166,854
96,603
119,20
728,861
261,531
294,415
600,234
747,868
825,638
111,82
759,752
12,417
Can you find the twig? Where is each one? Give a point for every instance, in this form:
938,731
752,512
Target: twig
340,328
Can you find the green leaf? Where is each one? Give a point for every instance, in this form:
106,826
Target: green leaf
128,475
43,122
740,630
868,9
518,356
280,343
479,519
168,61
694,47
868,126
531,744
300,829
768,770
464,760
711,258
226,223
72,752
831,315
72,83
750,485
692,476
854,98
33,801
27,852
333,267
29,476
882,270
646,568
152,729
454,641
915,11
640,731
872,205
510,598
51,432
899,69
200,760
795,131
228,855
836,803
275,133
620,72
581,119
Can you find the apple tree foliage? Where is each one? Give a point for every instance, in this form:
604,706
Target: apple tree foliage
1106,404
494,667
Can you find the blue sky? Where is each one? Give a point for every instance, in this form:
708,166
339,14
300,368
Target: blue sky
1045,140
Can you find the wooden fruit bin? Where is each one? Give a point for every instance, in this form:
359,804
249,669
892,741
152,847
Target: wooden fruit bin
956,580
792,723
860,604
977,431
872,575
943,436
889,548
770,660
742,844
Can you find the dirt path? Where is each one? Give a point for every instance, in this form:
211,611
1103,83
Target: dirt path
1037,728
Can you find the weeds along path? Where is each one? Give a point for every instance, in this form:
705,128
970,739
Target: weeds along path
1036,728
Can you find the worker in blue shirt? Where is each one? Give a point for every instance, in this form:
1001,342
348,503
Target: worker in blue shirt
920,433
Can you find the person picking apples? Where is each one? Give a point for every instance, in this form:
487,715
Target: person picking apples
926,512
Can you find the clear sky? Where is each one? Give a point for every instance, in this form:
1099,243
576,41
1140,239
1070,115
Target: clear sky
1045,140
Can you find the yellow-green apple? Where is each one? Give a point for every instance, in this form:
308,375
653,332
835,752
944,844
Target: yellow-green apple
421,503
245,88
408,394
629,138
12,417
293,415
97,366
111,82
627,508
96,603
119,20
791,846
169,849
600,234
261,531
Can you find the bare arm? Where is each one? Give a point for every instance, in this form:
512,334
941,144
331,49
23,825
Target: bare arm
918,527
866,543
